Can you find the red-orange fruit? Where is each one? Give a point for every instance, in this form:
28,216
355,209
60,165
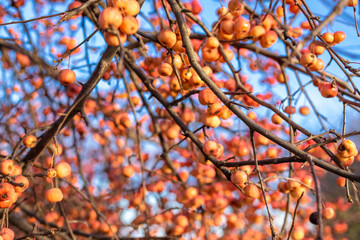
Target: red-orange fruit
167,38
66,77
235,5
328,90
317,48
268,39
63,170
241,26
304,110
113,40
7,167
7,234
352,3
347,148
128,171
129,25
30,141
110,17
256,32
280,11
276,119
328,213
308,59
21,180
252,191
132,8
239,177
339,36
212,42
290,109
328,37
54,195
210,120
206,96
165,69
51,173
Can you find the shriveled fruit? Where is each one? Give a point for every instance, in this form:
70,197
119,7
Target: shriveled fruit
314,218
347,148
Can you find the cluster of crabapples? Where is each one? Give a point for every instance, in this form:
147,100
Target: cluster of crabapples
214,149
231,25
310,59
12,185
277,120
346,152
119,20
61,170
215,110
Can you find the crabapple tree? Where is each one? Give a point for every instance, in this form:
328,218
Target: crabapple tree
179,119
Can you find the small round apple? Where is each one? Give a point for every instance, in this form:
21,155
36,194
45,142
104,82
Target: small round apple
66,77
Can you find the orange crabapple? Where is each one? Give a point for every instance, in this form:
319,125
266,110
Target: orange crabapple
276,119
328,213
252,191
256,32
66,77
54,195
167,38
268,39
308,59
339,36
328,90
63,170
352,3
304,110
130,25
110,17
347,148
239,177
30,141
